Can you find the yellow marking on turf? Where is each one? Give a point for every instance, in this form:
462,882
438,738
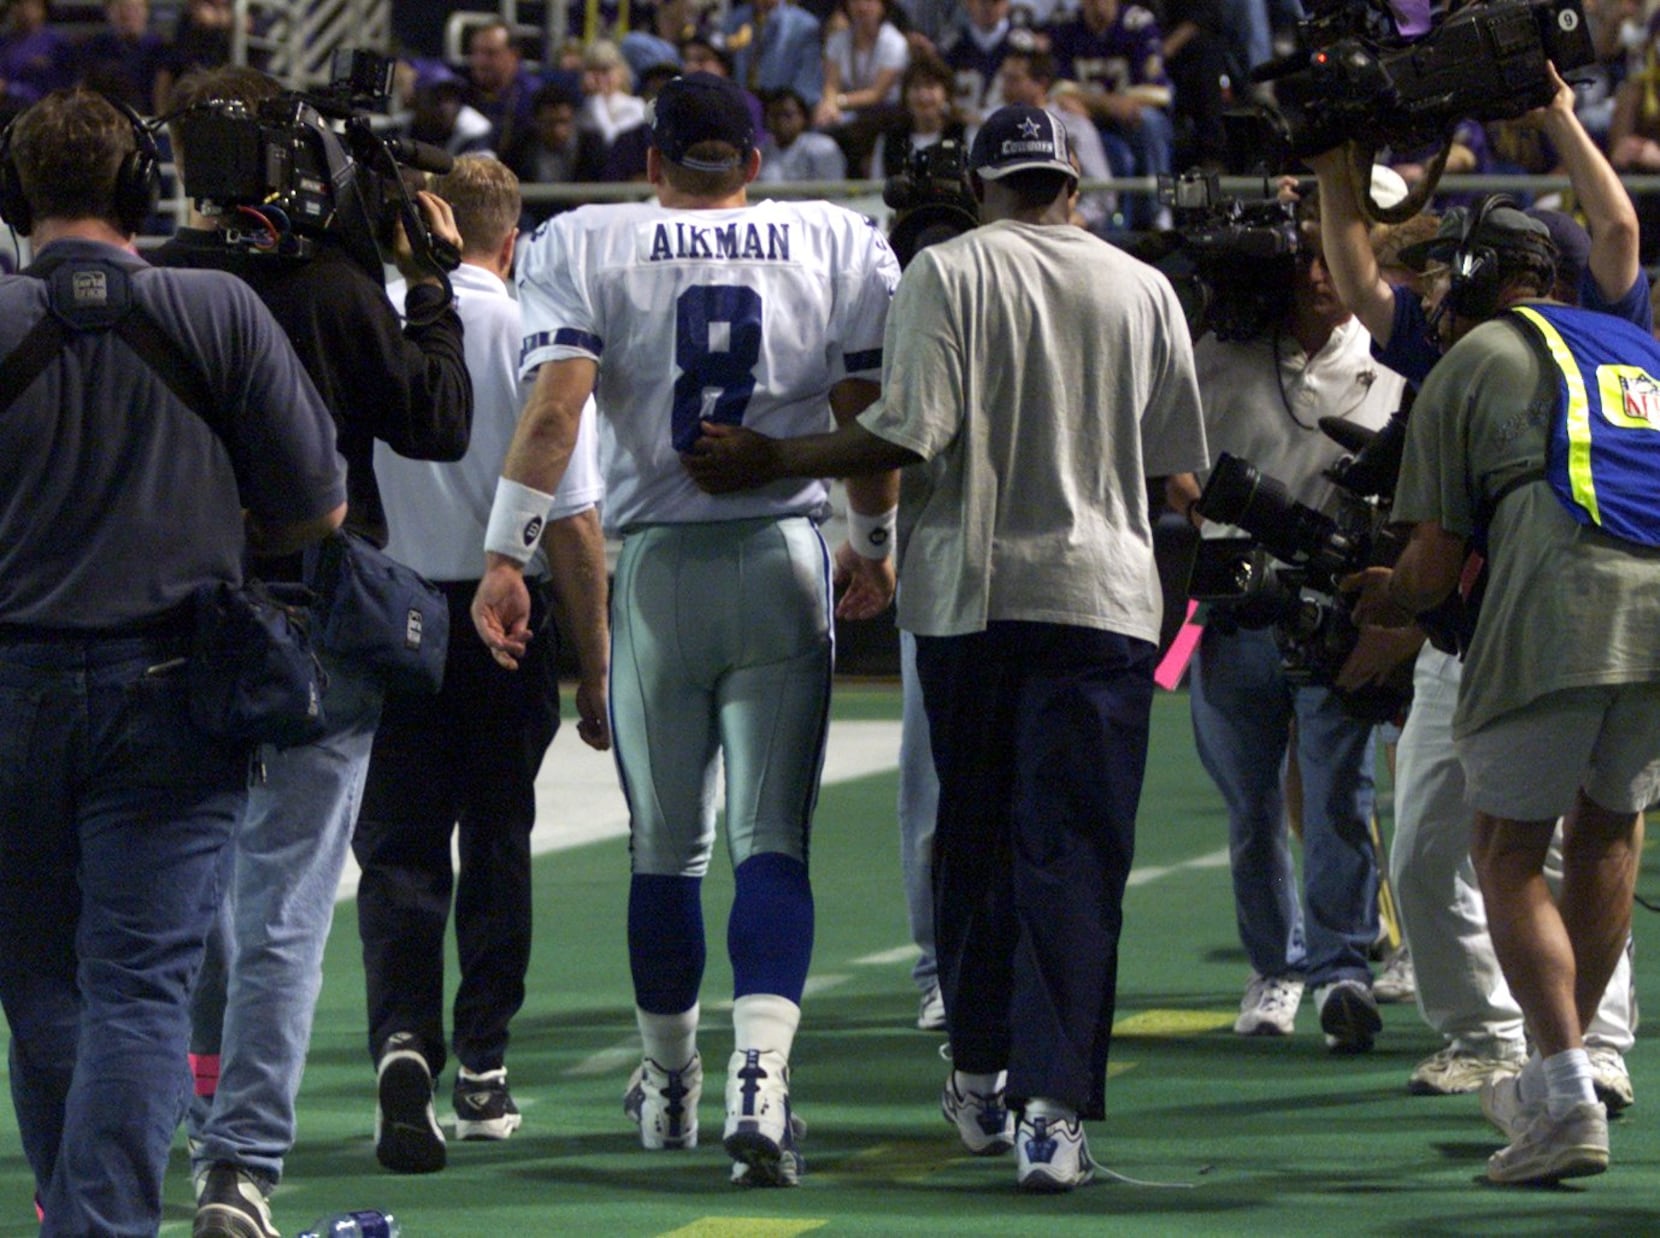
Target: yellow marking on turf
1172,1023
904,1160
744,1227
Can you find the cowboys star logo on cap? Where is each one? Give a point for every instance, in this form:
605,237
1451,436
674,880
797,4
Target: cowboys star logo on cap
1020,139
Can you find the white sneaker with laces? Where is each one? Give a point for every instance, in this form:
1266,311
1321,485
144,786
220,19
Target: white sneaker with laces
1610,1078
1397,981
1455,1072
1270,1006
1053,1155
761,1131
981,1118
663,1103
930,1015
1547,1149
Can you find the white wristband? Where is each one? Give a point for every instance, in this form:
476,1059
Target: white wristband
516,520
872,536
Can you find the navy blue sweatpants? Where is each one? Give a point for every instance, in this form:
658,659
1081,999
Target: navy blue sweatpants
1040,741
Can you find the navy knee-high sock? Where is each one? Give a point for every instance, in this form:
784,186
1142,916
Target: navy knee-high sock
665,941
770,933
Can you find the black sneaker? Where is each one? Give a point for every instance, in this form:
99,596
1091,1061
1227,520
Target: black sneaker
408,1139
230,1204
484,1108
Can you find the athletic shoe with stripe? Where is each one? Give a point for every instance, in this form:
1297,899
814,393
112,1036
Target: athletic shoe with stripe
981,1118
230,1204
663,1103
484,1108
761,1131
1053,1155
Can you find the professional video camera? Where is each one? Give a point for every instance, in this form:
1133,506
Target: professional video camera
932,199
1359,73
1301,600
1230,259
295,177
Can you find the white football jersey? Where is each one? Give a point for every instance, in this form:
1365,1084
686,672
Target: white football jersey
745,316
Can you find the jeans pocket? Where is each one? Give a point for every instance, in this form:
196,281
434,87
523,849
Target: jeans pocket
150,740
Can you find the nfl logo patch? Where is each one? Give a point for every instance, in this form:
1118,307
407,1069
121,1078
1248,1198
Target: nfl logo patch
1641,398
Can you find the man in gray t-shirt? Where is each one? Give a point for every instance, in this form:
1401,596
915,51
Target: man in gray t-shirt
1559,705
1034,378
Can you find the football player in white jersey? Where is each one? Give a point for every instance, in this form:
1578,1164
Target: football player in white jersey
702,307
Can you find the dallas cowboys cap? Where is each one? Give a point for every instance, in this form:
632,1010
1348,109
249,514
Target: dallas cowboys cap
701,107
1020,139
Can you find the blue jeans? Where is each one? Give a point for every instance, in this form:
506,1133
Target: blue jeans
114,814
919,800
288,851
1242,713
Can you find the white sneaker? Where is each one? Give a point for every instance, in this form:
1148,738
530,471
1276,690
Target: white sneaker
981,1118
1397,981
663,1103
1053,1155
1501,1104
1348,1015
1454,1072
1610,1078
1270,1006
1548,1149
761,1131
930,1016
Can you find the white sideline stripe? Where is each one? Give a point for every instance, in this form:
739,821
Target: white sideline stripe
1215,859
886,958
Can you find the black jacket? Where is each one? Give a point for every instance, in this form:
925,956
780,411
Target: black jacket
407,386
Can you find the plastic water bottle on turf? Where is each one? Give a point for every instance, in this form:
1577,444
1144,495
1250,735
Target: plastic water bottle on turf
365,1224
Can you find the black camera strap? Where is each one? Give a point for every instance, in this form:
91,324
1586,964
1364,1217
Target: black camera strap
119,312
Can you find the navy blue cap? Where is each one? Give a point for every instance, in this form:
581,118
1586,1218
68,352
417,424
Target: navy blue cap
701,107
1019,139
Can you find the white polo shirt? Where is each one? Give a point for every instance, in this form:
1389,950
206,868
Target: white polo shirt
438,511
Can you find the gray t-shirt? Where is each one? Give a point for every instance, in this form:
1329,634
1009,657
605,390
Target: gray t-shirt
1042,375
1566,605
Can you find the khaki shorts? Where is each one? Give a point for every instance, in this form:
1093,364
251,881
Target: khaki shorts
1527,764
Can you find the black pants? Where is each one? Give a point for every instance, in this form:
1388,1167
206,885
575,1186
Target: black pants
466,758
1040,741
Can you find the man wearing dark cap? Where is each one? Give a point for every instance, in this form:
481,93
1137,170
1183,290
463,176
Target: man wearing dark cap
1558,707
697,309
1461,989
1034,378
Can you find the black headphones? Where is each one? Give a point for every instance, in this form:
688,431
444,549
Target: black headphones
1478,270
136,181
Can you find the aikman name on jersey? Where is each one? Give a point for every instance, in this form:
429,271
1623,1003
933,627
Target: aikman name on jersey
677,239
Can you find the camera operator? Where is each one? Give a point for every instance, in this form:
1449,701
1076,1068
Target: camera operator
1558,711
1264,398
127,468
407,386
1030,584
1462,992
